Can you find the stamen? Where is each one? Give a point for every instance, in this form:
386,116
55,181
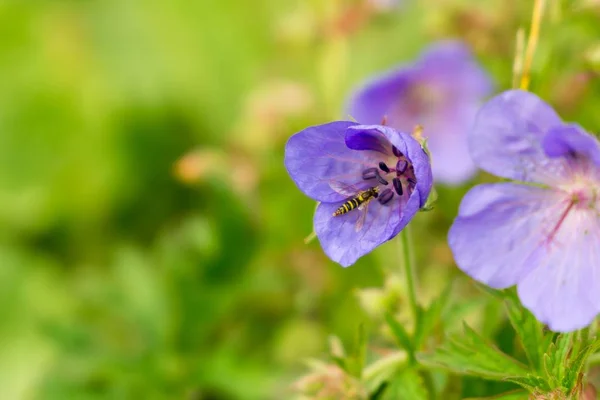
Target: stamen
383,167
397,186
380,178
396,152
369,173
401,167
412,181
385,196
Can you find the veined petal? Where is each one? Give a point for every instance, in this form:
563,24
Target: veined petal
339,237
376,137
563,290
507,135
361,137
571,139
422,165
408,211
497,235
318,155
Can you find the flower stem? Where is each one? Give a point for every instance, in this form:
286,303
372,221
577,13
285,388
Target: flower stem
534,33
408,264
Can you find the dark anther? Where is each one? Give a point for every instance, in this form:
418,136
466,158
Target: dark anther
383,167
396,151
370,173
401,167
385,196
397,186
380,179
412,181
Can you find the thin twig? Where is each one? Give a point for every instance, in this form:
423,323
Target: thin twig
518,61
534,33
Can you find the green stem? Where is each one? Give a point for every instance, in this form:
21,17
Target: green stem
407,262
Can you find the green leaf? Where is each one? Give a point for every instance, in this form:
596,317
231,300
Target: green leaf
381,370
430,317
577,363
402,337
340,362
470,354
529,330
555,359
532,383
408,384
581,339
431,200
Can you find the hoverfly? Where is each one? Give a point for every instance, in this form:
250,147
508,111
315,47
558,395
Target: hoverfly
358,199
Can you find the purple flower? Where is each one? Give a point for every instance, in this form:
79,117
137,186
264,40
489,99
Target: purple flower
441,91
542,233
343,164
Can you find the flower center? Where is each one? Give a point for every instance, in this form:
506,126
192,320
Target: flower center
580,196
422,100
401,175
584,193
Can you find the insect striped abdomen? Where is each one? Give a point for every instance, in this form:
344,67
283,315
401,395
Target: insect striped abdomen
355,202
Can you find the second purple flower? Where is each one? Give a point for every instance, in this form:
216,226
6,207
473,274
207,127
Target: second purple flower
542,231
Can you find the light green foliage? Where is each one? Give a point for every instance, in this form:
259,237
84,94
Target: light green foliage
151,241
529,330
406,385
469,353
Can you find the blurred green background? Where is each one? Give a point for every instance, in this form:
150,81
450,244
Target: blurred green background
151,242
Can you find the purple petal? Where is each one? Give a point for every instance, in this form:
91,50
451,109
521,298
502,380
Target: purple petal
368,138
447,66
421,163
451,159
495,238
344,244
375,98
563,291
564,140
318,155
409,209
506,138
450,65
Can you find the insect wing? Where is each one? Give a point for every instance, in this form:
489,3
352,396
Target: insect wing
344,188
363,209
